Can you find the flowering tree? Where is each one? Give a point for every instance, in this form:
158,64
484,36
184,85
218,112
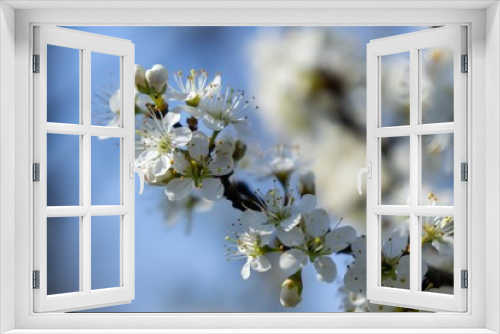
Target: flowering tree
193,141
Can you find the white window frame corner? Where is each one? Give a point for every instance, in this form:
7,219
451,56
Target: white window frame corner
483,20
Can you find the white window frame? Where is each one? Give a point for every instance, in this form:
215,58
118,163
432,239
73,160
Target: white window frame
413,43
86,44
483,21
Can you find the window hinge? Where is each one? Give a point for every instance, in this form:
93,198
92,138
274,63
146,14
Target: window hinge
464,171
465,279
36,279
36,63
36,172
465,64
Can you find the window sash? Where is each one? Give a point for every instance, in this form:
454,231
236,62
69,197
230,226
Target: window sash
412,43
86,297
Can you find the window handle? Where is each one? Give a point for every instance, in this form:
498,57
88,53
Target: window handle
368,171
139,171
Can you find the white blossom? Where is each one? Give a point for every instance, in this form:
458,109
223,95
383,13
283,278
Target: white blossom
196,87
249,245
293,260
115,108
221,110
355,277
438,242
157,78
319,240
159,140
355,302
277,212
291,69
291,292
140,79
306,183
279,162
199,170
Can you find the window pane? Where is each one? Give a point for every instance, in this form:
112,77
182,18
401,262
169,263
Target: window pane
437,169
105,252
395,89
395,170
395,265
106,97
106,171
63,255
63,170
63,85
437,254
437,84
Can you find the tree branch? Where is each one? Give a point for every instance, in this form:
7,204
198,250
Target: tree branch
240,194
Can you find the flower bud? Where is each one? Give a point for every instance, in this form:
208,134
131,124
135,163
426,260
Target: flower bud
157,78
240,149
140,79
306,184
291,290
158,179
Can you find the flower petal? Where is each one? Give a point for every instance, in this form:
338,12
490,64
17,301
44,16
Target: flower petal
114,102
221,165
290,222
145,157
165,165
213,87
225,145
444,247
326,270
340,238
181,163
294,237
213,124
157,78
260,264
434,259
253,219
403,275
198,146
289,296
307,203
317,223
293,260
245,271
195,112
181,136
212,189
178,189
355,279
395,245
242,128
282,164
358,247
169,120
175,95
266,233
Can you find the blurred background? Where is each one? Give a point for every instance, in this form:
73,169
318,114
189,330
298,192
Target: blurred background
309,84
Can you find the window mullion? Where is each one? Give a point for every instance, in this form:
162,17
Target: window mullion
85,164
81,223
414,169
